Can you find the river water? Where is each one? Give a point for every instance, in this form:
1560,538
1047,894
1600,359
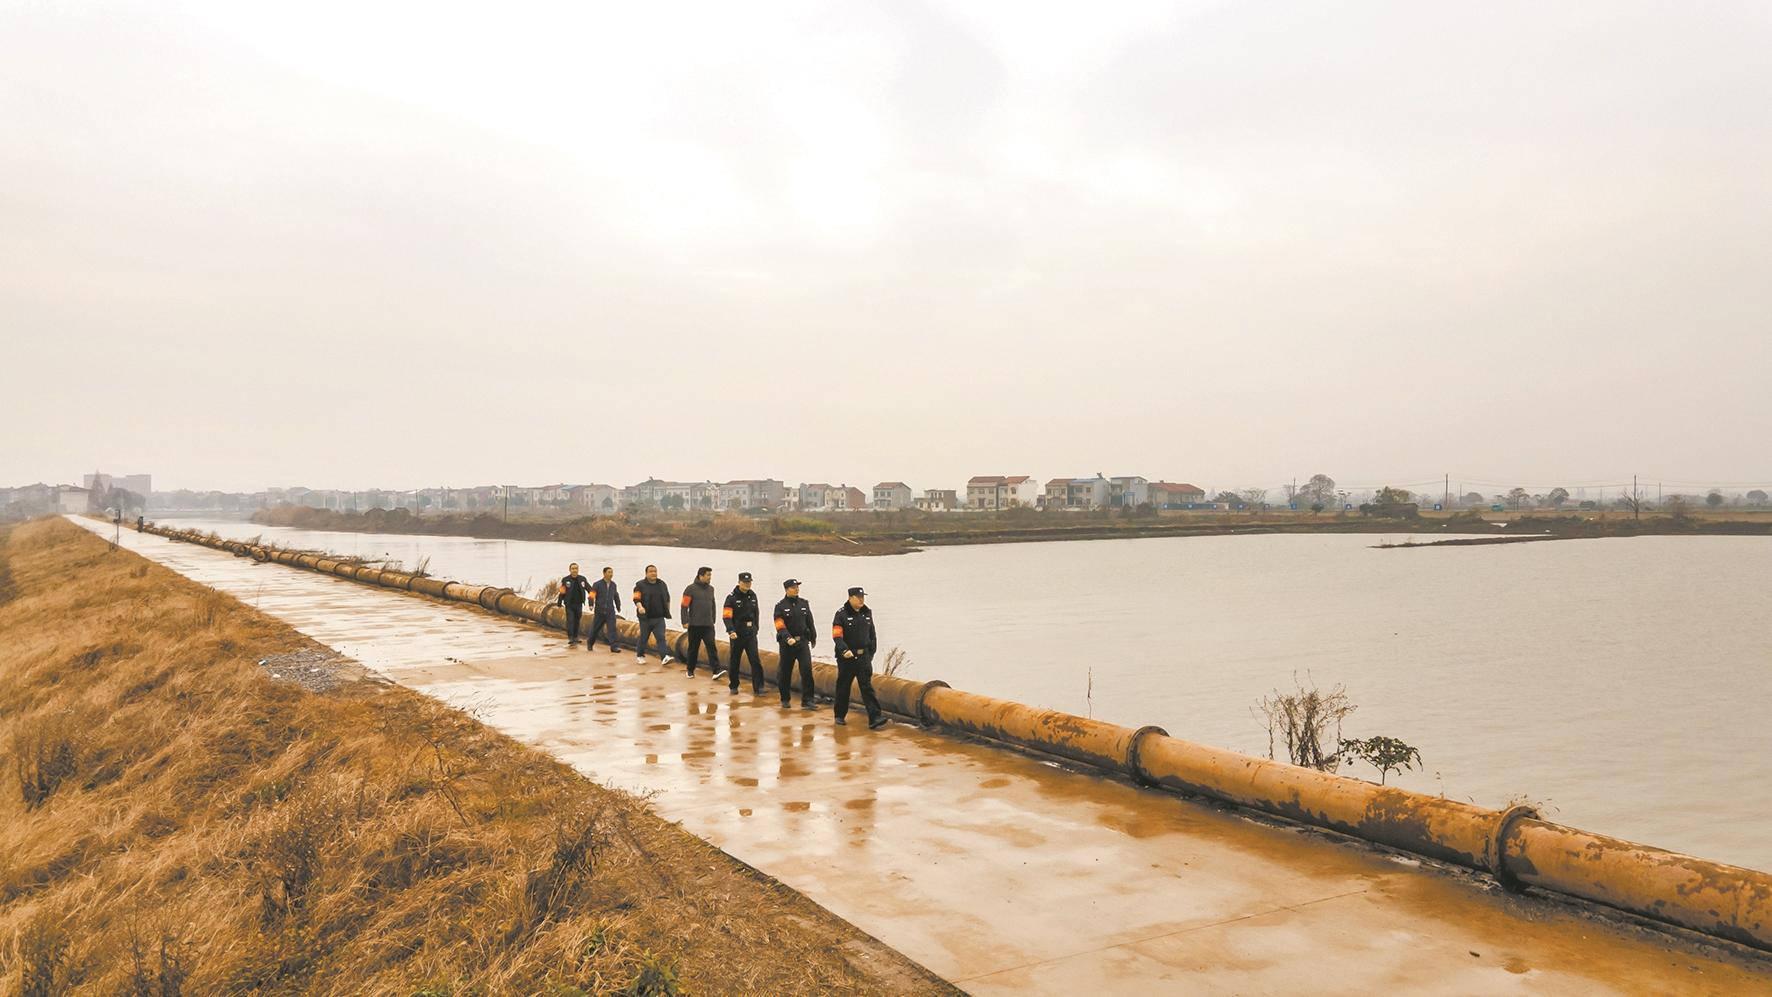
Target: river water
1623,685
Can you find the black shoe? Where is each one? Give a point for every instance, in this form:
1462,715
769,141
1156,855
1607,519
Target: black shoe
732,689
806,706
786,705
842,722
877,723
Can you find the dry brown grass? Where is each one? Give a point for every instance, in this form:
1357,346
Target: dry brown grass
176,822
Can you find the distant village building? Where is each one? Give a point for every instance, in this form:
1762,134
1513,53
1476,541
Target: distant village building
997,491
1172,495
846,498
1057,494
752,493
939,500
813,497
647,493
893,495
1078,493
594,498
1128,491
71,499
140,484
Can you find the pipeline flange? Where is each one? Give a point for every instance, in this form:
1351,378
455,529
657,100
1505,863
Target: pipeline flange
1493,852
1134,767
922,694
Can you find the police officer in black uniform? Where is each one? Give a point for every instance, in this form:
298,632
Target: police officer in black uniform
795,634
853,632
573,589
740,616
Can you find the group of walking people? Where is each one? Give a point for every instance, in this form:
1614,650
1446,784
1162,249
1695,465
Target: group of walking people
852,631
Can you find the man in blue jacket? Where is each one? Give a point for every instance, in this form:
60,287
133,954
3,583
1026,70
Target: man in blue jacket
853,632
605,610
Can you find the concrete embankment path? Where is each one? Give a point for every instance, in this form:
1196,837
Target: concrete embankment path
1002,872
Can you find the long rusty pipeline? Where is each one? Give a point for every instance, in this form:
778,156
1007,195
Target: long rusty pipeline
1514,845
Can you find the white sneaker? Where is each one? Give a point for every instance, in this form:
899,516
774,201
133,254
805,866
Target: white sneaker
639,659
718,673
667,659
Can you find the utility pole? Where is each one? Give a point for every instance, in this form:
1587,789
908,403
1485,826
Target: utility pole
1636,503
1446,494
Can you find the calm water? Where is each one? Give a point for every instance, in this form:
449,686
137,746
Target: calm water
1625,684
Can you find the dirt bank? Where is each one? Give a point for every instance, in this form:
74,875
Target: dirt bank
187,815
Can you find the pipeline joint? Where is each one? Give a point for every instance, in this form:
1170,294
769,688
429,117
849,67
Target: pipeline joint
1134,767
922,694
1495,853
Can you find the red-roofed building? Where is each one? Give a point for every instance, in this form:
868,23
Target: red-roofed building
1173,495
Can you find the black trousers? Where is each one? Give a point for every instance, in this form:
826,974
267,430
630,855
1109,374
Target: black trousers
746,643
860,671
697,637
603,621
573,615
784,675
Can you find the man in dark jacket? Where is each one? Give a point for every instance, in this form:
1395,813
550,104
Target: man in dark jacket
795,633
853,632
573,589
698,619
605,610
740,615
652,609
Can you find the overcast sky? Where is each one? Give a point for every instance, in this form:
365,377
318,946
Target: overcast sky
245,245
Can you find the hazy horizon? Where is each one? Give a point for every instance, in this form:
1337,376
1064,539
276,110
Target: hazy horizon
393,247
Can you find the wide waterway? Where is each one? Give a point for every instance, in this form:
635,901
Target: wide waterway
1624,685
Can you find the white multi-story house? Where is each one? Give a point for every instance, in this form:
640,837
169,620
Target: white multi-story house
1128,490
893,495
1078,493
71,499
646,493
595,498
751,493
813,497
1058,494
1090,493
997,491
1020,491
983,491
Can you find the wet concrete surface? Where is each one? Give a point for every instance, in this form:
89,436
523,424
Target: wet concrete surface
1000,871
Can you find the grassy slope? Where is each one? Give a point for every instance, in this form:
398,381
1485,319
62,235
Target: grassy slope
174,820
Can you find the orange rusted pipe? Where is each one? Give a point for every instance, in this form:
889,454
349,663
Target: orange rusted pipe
430,586
1722,900
1444,829
1092,742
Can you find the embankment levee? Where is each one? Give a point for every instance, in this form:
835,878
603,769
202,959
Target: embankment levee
197,798
1516,846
